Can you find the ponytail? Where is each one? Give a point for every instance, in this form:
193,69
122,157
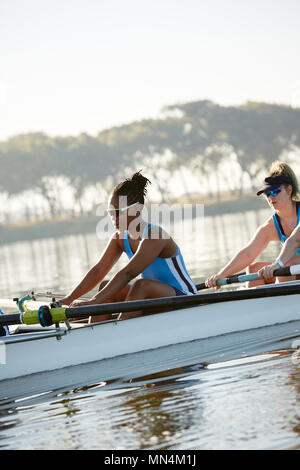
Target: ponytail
135,188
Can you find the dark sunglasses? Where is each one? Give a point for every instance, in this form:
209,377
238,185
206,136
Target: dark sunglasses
272,192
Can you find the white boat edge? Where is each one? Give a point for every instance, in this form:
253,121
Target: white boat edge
52,349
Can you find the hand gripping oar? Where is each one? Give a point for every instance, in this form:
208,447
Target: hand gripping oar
242,277
229,280
47,316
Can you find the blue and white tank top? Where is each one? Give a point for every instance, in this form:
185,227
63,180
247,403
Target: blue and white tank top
171,271
278,226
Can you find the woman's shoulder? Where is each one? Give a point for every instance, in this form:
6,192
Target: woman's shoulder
118,238
269,222
155,232
268,228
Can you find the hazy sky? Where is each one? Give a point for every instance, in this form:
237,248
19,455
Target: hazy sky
71,66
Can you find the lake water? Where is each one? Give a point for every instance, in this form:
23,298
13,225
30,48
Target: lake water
168,399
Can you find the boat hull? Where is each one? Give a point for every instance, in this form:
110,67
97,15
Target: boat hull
26,353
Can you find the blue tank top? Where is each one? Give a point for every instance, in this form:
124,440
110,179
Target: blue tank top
171,271
281,234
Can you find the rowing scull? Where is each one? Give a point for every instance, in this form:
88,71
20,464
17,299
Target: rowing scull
215,314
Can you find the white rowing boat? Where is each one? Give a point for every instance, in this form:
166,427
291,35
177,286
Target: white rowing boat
33,349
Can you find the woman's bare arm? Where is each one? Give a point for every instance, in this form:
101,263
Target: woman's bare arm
147,252
97,273
287,252
246,255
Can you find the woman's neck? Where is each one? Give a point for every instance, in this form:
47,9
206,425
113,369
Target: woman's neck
288,211
137,227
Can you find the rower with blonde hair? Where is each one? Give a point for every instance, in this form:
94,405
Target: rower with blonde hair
281,191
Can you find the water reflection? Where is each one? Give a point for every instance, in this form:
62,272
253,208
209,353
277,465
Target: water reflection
246,405
48,264
152,418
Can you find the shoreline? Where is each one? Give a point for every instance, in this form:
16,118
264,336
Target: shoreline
87,223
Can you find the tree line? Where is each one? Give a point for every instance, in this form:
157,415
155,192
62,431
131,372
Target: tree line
225,148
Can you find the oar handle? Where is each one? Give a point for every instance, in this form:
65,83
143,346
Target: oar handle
202,285
281,272
238,279
242,277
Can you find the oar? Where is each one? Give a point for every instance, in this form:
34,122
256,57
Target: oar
200,286
229,280
242,277
22,302
60,296
47,316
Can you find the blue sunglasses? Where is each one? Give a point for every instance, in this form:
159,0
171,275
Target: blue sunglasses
272,192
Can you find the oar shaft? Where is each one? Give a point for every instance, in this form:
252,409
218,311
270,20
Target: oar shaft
166,302
242,277
161,303
228,280
282,272
238,279
62,314
11,319
202,285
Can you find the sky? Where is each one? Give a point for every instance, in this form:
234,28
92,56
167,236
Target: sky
72,66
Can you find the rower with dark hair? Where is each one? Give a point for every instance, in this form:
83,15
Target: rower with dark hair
152,253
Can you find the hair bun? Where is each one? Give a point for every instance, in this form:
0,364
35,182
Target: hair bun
134,187
140,180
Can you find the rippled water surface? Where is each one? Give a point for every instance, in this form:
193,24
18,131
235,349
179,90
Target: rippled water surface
201,395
